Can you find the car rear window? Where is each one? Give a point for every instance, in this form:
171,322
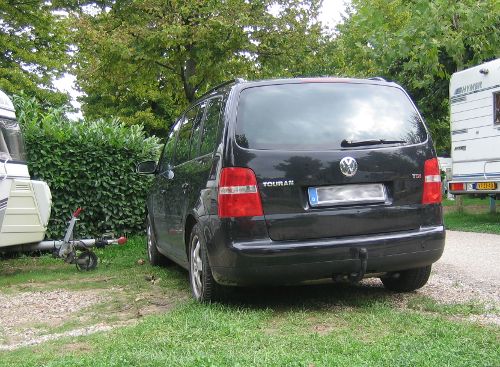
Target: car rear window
319,116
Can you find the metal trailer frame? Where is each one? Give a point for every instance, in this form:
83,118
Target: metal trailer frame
72,251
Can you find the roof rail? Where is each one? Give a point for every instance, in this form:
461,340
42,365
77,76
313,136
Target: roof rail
235,81
379,78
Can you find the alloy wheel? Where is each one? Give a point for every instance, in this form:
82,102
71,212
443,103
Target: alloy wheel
150,241
196,265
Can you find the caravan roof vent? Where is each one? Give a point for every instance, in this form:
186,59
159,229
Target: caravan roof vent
378,78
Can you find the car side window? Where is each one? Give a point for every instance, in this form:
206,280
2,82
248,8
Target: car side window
195,136
167,156
183,147
211,126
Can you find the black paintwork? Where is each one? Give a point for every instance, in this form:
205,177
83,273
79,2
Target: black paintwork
293,242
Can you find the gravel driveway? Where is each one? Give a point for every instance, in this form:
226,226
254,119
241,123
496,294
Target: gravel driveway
476,255
468,270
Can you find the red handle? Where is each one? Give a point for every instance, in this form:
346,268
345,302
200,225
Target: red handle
77,212
122,240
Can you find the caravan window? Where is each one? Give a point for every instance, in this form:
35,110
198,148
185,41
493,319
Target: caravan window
496,108
11,141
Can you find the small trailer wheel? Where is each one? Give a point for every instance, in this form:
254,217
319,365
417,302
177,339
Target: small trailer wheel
86,261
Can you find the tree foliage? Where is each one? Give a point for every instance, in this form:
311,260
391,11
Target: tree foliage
33,40
90,164
146,60
419,44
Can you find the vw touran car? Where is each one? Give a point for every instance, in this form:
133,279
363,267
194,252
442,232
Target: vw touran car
292,180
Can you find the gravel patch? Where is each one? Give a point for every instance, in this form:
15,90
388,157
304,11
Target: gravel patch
31,318
468,269
466,273
34,340
20,312
450,284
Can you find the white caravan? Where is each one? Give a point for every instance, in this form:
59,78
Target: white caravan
24,203
475,130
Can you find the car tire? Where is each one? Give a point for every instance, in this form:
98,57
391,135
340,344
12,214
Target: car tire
154,256
203,285
407,280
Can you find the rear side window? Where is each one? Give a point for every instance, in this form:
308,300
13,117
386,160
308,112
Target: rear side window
167,157
319,116
183,148
211,126
195,135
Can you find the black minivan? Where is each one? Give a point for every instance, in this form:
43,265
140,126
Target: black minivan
291,180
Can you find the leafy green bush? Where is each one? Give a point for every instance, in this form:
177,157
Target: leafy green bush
89,165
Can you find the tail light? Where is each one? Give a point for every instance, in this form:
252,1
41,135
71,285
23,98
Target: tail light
432,182
238,193
457,186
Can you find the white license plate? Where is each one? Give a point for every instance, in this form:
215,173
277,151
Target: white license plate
347,194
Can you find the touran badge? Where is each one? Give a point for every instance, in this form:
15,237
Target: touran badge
348,166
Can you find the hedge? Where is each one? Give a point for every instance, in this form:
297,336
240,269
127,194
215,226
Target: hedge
88,164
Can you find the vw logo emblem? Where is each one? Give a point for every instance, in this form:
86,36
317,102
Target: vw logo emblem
348,166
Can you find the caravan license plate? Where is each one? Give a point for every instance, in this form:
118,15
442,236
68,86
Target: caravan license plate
347,194
486,186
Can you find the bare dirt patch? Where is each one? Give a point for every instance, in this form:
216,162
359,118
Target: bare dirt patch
30,318
323,329
77,347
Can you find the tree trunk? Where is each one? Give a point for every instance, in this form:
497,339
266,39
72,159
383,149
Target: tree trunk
187,71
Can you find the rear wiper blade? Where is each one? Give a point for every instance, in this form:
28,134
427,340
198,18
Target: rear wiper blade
351,143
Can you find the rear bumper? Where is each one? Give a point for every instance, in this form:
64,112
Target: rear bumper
270,262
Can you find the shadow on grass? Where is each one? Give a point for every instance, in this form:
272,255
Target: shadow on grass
280,298
295,297
311,297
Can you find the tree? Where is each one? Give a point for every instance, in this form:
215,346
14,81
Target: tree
419,44
144,61
34,49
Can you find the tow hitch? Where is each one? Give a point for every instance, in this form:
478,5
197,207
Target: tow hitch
73,251
362,255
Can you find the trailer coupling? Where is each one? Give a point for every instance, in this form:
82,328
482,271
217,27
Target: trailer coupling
78,251
71,250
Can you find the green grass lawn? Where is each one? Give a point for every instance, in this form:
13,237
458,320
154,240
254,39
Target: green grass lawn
321,325
470,201
481,222
475,217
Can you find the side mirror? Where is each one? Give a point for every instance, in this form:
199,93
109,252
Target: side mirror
146,167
